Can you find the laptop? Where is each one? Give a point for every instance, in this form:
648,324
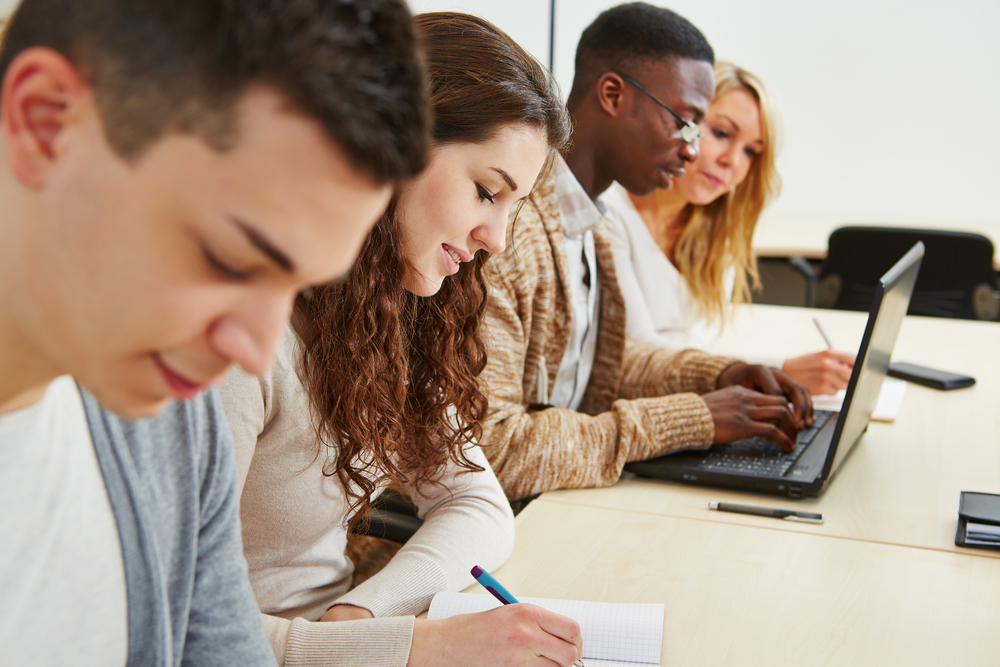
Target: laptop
757,464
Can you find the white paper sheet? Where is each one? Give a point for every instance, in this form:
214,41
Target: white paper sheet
982,533
614,635
890,400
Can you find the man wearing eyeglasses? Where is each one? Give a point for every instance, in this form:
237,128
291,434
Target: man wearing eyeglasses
571,397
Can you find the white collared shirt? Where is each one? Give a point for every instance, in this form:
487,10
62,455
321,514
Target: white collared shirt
579,216
661,310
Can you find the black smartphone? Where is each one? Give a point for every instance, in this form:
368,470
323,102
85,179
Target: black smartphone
929,377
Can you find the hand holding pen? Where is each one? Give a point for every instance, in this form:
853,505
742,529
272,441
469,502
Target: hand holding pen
823,372
514,634
550,622
823,333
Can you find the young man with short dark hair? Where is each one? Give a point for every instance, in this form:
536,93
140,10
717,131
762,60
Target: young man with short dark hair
172,175
571,397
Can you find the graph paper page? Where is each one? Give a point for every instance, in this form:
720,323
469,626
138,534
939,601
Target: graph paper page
614,634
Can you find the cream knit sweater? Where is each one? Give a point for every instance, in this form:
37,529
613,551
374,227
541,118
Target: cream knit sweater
640,402
294,532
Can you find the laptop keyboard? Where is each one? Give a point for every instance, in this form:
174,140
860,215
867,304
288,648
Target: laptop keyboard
759,456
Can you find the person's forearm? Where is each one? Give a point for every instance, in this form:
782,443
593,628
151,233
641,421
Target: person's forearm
648,372
558,448
302,643
467,519
435,559
554,449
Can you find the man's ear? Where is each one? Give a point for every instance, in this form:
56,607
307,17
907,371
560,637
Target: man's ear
42,94
610,93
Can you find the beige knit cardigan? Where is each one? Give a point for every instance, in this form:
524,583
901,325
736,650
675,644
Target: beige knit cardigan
640,402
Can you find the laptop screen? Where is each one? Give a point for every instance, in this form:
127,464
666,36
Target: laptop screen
892,299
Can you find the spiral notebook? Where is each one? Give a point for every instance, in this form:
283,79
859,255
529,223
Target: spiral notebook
614,635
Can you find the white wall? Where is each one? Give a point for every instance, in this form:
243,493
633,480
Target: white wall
891,107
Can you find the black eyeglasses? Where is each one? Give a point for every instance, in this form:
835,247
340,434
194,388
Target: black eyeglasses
690,132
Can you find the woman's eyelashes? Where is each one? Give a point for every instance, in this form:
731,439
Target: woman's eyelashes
222,268
484,194
723,135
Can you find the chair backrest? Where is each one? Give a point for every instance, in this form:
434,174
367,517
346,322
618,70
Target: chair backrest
956,280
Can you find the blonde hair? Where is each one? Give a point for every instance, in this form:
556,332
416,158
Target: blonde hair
719,235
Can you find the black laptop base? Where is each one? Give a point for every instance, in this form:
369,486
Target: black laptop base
790,489
820,461
755,465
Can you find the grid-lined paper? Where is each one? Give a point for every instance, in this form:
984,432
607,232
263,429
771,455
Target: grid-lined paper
614,634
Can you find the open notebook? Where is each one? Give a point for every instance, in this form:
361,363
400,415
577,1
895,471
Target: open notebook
614,635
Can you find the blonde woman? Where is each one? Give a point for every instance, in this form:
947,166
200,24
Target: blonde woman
683,255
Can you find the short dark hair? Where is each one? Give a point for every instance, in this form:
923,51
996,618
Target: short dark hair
180,66
634,32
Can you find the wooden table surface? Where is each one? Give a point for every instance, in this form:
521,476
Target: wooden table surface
748,595
901,484
880,583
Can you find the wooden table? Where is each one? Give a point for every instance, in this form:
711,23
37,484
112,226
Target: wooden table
901,483
786,234
880,583
746,595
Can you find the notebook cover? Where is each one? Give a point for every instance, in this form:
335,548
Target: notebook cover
979,508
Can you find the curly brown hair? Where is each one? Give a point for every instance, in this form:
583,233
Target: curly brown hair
392,377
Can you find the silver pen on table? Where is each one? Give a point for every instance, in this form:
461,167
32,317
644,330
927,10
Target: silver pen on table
787,515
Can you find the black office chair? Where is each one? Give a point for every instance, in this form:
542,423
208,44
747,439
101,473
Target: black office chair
786,281
393,518
956,278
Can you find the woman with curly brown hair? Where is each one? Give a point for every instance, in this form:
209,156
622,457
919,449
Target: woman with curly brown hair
375,386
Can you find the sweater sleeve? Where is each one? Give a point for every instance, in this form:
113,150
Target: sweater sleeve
653,371
533,451
467,522
377,642
246,400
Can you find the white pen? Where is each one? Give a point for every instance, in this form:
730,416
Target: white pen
822,332
787,515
